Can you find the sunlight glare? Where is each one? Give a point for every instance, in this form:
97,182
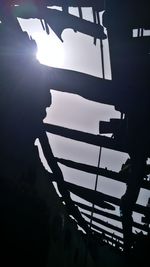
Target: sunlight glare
50,50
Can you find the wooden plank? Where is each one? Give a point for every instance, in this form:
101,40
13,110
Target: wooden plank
97,197
100,171
89,195
87,86
105,232
97,140
113,239
109,215
66,20
104,223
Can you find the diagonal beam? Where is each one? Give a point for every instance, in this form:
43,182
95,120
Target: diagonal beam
109,215
91,139
59,21
113,237
92,169
104,223
95,197
100,171
97,211
85,85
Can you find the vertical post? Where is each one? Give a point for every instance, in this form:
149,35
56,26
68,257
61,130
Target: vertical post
138,32
92,212
96,183
101,48
80,12
95,21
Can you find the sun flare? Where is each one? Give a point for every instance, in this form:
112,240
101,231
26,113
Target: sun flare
50,49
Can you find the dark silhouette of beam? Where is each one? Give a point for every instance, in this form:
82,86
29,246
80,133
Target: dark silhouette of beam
95,210
101,199
104,213
88,138
90,195
100,171
95,197
81,191
92,169
58,177
110,92
85,85
104,223
112,235
113,242
109,215
59,21
114,239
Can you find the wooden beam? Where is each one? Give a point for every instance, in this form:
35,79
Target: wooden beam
66,20
97,197
109,215
88,138
100,171
104,223
112,235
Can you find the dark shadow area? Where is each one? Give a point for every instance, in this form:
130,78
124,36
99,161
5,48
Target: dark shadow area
24,226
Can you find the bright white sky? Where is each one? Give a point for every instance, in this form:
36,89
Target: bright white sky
78,52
